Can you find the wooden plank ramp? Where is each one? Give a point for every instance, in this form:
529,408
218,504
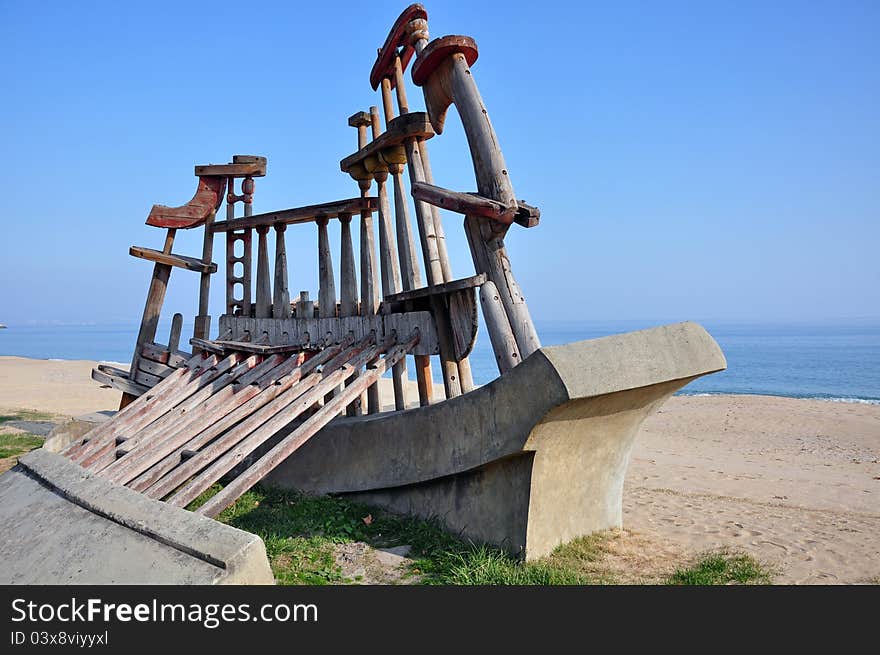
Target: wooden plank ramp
208,416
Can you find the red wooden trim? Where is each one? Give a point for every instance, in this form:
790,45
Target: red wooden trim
384,66
438,50
205,202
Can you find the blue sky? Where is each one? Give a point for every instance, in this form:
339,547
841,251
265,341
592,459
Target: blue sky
691,160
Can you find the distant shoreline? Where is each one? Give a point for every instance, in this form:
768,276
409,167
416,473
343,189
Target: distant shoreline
851,400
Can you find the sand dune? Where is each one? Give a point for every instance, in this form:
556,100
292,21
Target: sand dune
794,482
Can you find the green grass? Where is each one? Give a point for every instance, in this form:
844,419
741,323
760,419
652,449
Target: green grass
12,445
24,415
722,567
300,532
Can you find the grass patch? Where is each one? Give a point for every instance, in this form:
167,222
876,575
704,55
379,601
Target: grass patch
24,415
300,531
12,445
722,567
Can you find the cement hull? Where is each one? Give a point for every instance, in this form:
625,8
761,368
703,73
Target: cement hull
529,461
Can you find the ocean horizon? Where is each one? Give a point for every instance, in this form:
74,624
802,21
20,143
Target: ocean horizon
827,360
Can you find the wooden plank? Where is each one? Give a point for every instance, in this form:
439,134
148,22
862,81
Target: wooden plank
462,203
180,411
398,130
250,435
152,481
298,437
139,413
439,289
147,379
296,215
134,409
155,368
185,421
178,261
120,382
247,169
155,353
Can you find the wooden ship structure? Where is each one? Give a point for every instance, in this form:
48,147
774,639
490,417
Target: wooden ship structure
285,386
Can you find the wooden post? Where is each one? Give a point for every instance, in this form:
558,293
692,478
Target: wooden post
453,82
500,334
389,266
281,300
152,309
434,270
306,307
264,286
347,274
174,335
409,268
202,323
327,286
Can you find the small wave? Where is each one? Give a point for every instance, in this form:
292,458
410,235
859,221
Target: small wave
857,401
830,399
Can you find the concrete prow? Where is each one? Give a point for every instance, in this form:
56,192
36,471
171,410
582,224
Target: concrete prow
534,458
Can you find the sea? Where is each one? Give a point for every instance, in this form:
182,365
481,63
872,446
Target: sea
833,360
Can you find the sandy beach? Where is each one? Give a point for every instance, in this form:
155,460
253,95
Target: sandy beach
796,483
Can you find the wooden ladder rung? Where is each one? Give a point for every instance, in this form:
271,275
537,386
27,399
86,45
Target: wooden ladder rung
188,263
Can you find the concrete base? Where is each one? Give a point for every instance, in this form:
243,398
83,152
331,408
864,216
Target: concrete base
529,461
63,526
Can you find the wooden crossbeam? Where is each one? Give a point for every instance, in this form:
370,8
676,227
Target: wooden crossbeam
307,214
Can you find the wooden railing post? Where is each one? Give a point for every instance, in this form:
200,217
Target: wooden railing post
281,300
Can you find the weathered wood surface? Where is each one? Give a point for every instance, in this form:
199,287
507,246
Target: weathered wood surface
500,334
235,302
204,204
326,282
264,283
153,304
155,483
296,215
265,414
439,289
118,379
347,274
317,332
397,38
287,446
256,168
462,203
438,51
281,299
397,131
178,261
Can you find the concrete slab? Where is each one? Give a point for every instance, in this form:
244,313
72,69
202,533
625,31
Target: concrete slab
62,525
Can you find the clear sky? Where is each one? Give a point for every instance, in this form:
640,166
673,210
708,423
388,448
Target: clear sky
699,160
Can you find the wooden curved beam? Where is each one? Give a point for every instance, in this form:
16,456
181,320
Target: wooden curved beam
203,205
384,66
